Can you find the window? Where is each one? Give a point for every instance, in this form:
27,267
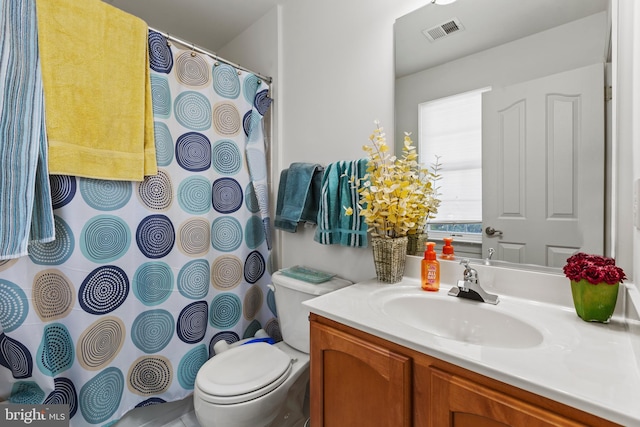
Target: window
451,128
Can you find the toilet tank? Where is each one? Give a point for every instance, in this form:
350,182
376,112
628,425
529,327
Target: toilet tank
293,317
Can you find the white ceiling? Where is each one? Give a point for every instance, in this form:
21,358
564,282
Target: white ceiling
209,24
487,23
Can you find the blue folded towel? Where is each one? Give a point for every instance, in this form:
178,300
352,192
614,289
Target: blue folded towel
339,192
26,213
298,196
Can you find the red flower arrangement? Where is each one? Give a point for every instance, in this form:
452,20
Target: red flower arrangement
593,268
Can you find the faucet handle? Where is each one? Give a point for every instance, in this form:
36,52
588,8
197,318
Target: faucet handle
470,274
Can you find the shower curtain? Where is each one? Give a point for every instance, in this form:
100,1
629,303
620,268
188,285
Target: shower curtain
124,307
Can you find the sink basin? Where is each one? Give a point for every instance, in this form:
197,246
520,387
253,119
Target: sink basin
457,319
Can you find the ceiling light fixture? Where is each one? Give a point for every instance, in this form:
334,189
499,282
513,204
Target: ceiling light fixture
442,2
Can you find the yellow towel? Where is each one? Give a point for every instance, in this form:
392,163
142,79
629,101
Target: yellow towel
95,71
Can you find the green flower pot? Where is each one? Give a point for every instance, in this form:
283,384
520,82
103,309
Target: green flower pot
594,303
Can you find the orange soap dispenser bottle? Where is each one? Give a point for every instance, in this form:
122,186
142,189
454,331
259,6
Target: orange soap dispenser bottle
430,273
447,249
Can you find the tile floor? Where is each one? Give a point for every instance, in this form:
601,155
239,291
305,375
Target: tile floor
187,420
172,414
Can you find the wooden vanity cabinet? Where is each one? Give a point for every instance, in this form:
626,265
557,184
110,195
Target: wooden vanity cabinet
359,380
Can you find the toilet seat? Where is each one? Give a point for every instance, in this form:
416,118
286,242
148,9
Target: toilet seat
243,373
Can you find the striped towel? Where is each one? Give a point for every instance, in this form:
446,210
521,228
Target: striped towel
338,193
26,213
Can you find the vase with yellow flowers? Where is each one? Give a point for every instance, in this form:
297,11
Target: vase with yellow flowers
397,197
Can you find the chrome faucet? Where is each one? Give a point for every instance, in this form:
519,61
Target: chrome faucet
487,260
470,288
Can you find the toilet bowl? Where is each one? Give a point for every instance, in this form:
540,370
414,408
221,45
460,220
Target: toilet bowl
256,384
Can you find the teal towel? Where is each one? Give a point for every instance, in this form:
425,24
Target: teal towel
26,213
337,193
298,196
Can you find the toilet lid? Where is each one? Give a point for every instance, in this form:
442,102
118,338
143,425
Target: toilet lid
243,370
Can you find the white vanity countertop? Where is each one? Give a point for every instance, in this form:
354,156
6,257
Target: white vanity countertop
590,366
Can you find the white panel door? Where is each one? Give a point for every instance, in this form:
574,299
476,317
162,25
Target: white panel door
543,163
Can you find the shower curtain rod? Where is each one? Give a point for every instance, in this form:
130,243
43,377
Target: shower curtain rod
211,54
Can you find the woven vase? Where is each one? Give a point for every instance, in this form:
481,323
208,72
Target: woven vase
416,242
389,257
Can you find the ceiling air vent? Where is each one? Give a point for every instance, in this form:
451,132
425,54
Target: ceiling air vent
443,30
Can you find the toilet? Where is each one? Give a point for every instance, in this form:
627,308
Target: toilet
252,383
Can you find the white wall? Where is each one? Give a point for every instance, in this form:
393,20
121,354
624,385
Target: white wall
337,78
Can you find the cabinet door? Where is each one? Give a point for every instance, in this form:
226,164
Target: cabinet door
356,383
459,402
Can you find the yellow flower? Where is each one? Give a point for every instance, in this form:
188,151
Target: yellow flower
348,211
397,195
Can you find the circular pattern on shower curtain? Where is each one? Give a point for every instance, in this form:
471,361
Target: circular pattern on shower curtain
16,357
155,236
190,365
227,159
193,279
105,238
252,302
100,396
150,375
53,295
192,70
164,144
161,93
254,233
63,189
100,343
250,87
55,353
254,267
26,393
153,283
225,311
152,330
103,290
193,110
194,195
226,195
250,122
251,199
193,152
262,102
194,237
226,234
105,195
14,306
160,56
56,252
192,322
64,393
156,191
226,119
226,82
226,272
